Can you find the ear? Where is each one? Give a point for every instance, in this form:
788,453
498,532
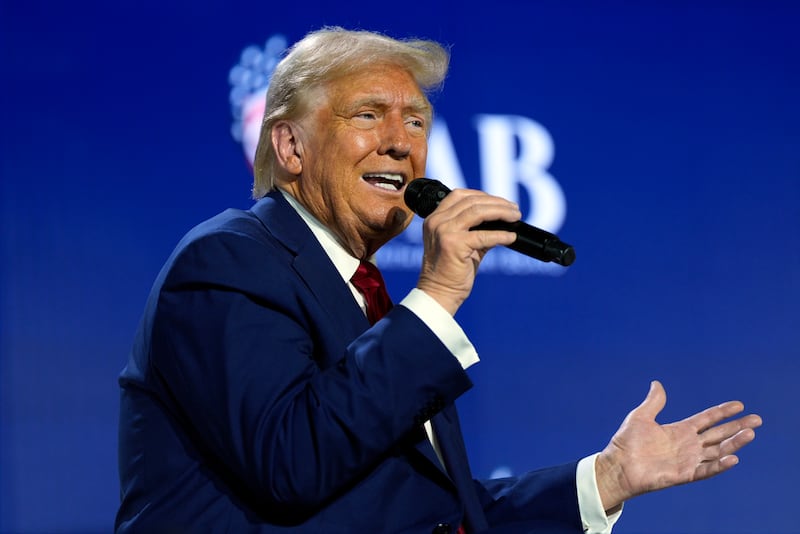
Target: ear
288,147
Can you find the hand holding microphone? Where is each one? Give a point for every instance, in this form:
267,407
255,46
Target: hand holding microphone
452,252
423,195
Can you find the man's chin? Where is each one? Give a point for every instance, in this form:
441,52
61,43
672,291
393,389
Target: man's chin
398,220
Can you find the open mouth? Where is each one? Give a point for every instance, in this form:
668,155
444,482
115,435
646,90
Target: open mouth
387,181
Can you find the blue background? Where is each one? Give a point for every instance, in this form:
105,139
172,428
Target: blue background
677,135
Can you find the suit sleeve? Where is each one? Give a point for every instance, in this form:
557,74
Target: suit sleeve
541,497
236,351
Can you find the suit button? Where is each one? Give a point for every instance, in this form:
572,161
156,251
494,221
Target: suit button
442,528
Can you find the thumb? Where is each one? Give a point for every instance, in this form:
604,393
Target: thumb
652,405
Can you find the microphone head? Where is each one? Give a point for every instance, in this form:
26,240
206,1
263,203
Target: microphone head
566,256
424,194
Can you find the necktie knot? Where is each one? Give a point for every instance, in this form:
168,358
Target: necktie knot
369,282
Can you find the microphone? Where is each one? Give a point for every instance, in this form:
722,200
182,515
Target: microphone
424,194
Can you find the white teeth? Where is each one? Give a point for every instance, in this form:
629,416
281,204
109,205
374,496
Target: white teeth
388,187
391,177
390,182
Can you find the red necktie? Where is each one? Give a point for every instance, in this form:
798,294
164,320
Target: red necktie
369,282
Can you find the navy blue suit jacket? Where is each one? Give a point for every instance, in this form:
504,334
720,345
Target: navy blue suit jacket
257,398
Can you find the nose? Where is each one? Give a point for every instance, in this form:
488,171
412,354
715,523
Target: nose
395,138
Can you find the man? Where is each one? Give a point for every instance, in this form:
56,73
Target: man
265,392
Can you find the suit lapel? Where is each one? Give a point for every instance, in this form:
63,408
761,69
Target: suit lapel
454,454
424,447
336,299
312,264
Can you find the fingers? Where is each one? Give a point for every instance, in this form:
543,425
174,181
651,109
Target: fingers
736,442
718,458
482,205
720,433
710,417
465,208
715,467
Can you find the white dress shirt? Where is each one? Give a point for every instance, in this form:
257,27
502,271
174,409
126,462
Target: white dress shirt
445,327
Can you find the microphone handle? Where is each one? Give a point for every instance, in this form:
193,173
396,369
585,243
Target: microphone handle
423,195
533,242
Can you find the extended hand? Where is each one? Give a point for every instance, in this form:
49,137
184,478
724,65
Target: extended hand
644,456
452,251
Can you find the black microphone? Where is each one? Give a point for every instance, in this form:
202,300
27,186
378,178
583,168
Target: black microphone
423,195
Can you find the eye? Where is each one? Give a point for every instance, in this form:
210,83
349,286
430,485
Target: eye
416,124
364,119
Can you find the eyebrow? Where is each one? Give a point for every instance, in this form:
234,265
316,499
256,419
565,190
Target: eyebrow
415,105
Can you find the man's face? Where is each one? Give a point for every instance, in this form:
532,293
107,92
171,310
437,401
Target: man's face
361,143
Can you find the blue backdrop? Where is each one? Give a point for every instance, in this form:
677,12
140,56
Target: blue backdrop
662,141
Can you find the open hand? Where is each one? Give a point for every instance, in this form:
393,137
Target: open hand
644,456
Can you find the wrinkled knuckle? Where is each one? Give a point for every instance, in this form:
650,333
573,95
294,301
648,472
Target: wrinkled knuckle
430,222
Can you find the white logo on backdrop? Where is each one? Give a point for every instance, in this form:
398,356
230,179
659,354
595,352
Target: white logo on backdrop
515,154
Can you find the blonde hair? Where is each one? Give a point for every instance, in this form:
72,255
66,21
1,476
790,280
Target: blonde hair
325,55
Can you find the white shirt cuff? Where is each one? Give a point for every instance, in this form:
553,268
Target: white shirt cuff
443,325
593,516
